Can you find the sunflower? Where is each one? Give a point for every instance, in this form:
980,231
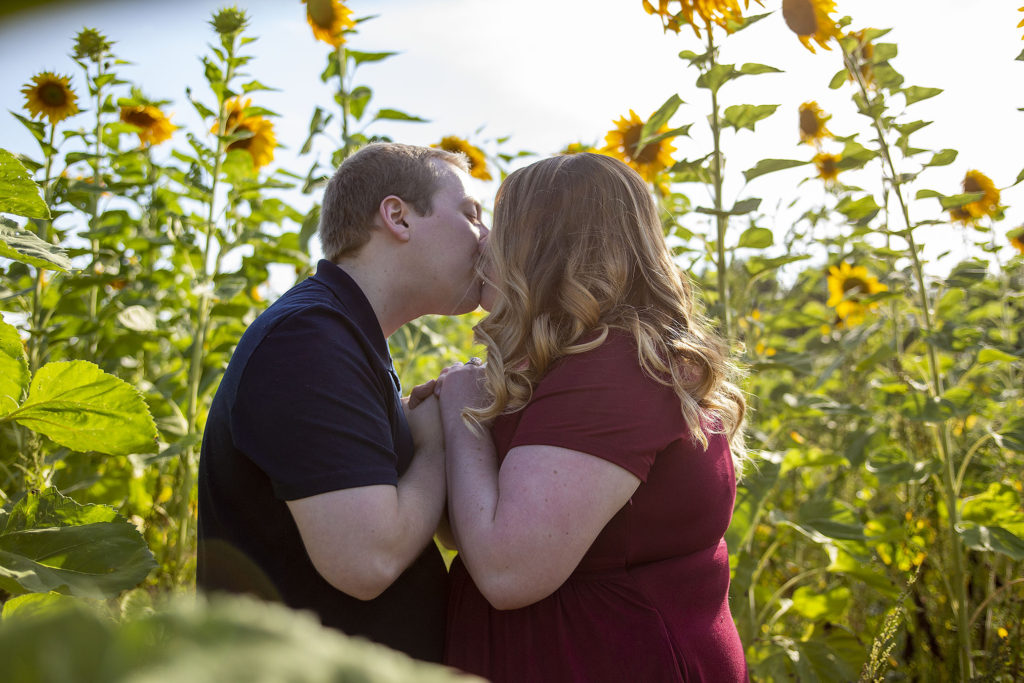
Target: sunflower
987,205
621,144
810,20
812,123
725,13
847,286
50,95
862,55
329,19
827,165
153,126
1017,240
260,145
477,160
576,148
1021,24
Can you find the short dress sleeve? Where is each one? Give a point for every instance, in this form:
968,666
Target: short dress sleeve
602,403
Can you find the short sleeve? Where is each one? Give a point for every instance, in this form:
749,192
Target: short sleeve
602,403
312,412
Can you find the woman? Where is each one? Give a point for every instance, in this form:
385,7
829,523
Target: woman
590,478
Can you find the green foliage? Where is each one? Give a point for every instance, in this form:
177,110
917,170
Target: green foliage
51,543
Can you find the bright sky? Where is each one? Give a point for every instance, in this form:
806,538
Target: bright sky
550,72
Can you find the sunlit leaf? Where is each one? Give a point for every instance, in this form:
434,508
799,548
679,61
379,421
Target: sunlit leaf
51,543
1012,433
367,57
77,405
943,158
916,93
756,238
18,192
990,355
24,246
395,115
992,539
747,115
14,373
770,166
816,605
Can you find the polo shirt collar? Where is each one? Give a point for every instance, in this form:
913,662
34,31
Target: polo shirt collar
352,299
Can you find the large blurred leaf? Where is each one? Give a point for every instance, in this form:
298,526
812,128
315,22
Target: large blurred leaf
999,505
817,605
229,640
18,192
78,405
1012,434
992,539
51,543
14,375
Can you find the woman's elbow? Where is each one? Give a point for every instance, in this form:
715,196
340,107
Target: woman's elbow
506,592
364,582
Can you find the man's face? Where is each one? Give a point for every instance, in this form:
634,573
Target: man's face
449,242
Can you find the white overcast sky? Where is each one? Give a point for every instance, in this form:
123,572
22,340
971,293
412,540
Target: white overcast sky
550,72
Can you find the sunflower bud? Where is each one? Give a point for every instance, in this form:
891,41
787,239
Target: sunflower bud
92,44
229,20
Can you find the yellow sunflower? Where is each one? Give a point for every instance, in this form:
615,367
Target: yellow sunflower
50,95
621,143
862,55
153,126
1018,240
810,20
260,145
724,13
827,165
847,287
329,19
988,205
812,123
1021,24
576,148
477,160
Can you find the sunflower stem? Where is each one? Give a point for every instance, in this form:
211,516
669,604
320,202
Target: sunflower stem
721,220
949,475
342,58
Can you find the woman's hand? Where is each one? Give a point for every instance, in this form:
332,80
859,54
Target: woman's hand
459,387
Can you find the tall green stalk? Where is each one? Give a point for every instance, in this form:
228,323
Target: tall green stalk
935,389
342,58
721,220
94,205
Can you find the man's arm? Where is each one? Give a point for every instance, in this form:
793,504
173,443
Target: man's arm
361,539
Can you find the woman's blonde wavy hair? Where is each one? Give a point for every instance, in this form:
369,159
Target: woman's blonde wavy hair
577,250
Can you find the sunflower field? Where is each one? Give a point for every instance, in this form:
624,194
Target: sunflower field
878,532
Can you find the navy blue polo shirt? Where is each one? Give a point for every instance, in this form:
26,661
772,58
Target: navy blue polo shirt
310,403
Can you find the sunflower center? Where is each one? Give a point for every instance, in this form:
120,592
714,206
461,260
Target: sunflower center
321,12
809,123
971,184
630,138
53,94
140,119
855,285
243,143
799,16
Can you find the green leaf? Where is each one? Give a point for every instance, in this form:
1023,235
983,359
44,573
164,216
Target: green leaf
1012,434
957,200
746,115
14,373
750,69
395,115
816,605
943,158
256,85
858,211
745,206
79,406
367,57
137,319
658,120
916,93
990,355
24,246
51,543
357,101
838,79
1020,57
309,226
967,273
770,166
30,604
999,505
675,132
18,192
992,539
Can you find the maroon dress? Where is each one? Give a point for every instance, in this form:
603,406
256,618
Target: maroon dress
649,600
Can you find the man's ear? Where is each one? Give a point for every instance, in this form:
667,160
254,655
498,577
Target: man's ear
392,213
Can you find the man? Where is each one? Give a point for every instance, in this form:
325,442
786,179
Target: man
318,486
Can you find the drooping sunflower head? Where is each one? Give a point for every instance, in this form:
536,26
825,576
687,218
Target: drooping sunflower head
92,44
477,161
828,166
153,126
812,123
621,143
330,20
811,20
259,140
861,54
848,288
50,95
724,13
986,205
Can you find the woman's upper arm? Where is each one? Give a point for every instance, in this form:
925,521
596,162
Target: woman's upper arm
553,502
